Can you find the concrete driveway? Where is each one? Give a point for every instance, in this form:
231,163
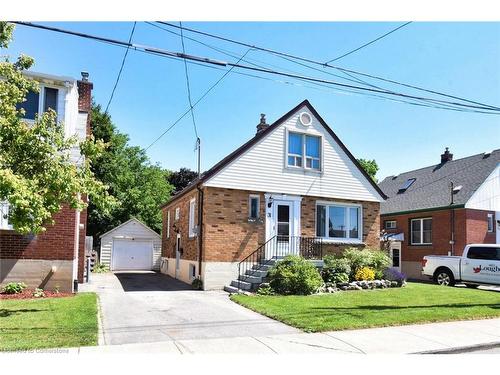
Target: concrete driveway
145,307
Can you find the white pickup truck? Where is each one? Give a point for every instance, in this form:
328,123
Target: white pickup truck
478,265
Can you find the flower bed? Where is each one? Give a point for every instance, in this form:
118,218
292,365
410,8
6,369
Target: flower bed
28,294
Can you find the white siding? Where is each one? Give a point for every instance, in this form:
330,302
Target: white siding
131,229
262,168
487,196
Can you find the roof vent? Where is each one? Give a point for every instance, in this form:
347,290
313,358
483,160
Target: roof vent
456,189
406,185
446,156
487,154
262,124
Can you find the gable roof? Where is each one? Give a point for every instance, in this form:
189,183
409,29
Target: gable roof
243,148
431,188
125,223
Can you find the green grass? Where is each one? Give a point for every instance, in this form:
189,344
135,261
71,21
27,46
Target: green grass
48,323
415,303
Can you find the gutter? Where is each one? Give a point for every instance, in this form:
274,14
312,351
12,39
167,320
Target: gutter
423,210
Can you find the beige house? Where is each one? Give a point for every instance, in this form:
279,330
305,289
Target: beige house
294,188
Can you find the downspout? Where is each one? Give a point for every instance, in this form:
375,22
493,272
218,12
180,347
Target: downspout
200,228
452,221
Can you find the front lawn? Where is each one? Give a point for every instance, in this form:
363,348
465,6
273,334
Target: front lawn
415,303
48,322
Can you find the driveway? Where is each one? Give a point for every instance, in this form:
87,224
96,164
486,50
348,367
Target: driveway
144,307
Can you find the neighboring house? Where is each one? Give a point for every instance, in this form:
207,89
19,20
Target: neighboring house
55,258
294,182
439,209
131,246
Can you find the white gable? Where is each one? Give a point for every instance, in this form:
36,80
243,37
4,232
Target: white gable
262,167
486,197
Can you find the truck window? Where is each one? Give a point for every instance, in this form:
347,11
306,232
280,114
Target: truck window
487,253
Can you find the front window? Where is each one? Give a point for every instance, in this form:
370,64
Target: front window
421,231
304,151
337,221
253,207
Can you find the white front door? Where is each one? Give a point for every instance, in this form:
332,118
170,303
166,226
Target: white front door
282,224
395,254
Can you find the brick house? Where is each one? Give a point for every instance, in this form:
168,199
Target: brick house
55,258
293,181
439,209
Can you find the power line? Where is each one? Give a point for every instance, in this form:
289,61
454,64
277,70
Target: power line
121,68
367,44
188,85
278,53
205,60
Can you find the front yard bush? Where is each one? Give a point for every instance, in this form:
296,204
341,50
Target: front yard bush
294,275
377,260
14,288
393,274
365,273
335,270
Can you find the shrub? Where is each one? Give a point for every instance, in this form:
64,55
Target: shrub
38,293
100,268
330,276
197,284
393,274
335,270
14,288
294,275
265,290
377,260
364,273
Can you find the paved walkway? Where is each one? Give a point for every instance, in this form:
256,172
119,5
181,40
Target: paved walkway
147,307
388,340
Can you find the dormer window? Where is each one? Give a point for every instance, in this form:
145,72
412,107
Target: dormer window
302,147
47,96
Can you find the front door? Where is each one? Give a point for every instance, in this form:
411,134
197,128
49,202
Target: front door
395,250
177,255
282,228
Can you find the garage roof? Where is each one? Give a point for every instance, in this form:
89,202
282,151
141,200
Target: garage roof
125,223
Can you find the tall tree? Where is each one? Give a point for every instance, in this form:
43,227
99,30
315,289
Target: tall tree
181,178
370,167
139,186
37,175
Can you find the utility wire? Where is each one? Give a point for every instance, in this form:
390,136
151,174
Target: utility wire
367,44
188,86
278,53
205,60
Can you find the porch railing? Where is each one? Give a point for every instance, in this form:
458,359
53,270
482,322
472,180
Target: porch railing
278,247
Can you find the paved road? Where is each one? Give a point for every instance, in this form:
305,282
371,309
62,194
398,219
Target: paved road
146,307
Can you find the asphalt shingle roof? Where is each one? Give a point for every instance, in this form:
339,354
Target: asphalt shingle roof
431,188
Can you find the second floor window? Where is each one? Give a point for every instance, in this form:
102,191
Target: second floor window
304,151
32,107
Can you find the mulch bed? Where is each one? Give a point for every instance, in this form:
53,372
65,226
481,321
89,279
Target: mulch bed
28,294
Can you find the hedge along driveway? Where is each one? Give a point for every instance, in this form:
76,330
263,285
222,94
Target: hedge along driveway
48,323
415,303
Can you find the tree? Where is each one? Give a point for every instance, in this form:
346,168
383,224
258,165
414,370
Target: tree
139,186
370,167
37,175
182,178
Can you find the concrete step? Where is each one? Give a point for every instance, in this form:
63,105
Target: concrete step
257,273
241,284
262,267
251,279
231,289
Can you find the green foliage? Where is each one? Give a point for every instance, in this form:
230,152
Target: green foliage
364,273
180,179
100,268
139,186
197,284
37,175
265,290
14,288
375,259
294,275
38,293
370,167
335,270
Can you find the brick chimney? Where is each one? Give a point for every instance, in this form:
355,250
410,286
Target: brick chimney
85,97
446,156
262,124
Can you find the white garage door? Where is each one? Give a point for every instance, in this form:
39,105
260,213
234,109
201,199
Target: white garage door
132,255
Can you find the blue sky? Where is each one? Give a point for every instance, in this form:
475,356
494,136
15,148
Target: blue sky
462,59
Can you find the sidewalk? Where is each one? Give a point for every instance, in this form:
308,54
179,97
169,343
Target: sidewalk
387,340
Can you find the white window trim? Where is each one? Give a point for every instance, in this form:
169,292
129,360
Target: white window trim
421,219
303,156
168,224
4,222
390,221
192,205
490,220
41,100
177,214
328,239
250,197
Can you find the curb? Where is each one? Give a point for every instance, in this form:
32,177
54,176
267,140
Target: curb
100,330
463,349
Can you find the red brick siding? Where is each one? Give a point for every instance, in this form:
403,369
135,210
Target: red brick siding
477,227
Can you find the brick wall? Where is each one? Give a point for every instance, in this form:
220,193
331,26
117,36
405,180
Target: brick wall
477,227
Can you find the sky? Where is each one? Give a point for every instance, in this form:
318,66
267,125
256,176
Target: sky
461,59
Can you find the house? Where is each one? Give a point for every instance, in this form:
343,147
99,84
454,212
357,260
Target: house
131,245
292,186
439,209
55,258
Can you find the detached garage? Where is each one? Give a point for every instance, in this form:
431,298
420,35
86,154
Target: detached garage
131,246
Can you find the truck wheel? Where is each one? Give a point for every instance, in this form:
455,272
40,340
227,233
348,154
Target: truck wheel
472,286
444,277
